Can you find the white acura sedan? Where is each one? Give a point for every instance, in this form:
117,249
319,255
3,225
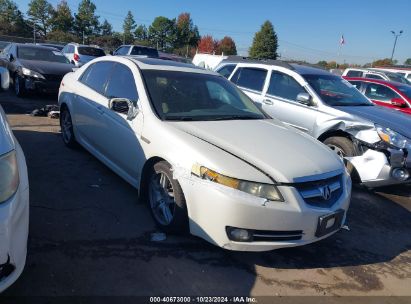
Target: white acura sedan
14,205
203,155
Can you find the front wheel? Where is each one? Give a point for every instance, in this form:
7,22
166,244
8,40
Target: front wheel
166,198
344,147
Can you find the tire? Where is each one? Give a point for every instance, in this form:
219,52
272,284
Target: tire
166,199
343,147
18,85
66,125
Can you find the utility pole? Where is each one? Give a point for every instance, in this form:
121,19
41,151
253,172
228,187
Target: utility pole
395,42
34,33
83,37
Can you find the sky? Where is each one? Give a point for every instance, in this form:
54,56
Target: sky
307,29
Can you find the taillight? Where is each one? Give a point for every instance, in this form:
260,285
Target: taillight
76,57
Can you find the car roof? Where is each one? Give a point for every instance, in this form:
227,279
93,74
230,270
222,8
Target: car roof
145,63
392,84
37,46
304,70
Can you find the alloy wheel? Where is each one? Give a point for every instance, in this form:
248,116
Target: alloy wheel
162,200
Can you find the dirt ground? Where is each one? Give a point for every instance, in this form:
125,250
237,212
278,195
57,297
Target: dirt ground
89,236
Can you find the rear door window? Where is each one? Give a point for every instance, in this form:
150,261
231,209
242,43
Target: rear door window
144,51
250,78
354,73
96,76
373,76
285,86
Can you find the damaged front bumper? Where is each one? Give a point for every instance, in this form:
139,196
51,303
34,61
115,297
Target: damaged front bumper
215,209
383,167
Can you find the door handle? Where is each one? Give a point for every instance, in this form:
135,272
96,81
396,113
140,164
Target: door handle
268,102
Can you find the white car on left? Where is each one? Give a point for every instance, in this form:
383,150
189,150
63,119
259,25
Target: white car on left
14,202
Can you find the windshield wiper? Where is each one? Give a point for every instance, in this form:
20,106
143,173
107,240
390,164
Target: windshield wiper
236,117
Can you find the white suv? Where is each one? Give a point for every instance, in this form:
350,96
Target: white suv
375,74
79,54
203,155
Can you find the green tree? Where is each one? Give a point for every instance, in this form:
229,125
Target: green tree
407,61
265,43
86,21
322,63
383,62
41,13
187,34
62,19
140,33
162,33
108,43
227,46
106,28
62,37
129,26
12,21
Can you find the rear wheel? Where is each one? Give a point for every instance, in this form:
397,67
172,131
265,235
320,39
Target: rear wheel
66,125
166,198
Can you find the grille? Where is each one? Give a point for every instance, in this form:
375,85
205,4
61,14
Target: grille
321,193
276,236
53,77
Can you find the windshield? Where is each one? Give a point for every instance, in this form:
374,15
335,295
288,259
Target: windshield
194,96
42,54
336,91
91,51
406,90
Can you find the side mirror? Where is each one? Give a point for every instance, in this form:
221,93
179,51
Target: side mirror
4,79
398,102
10,57
124,106
304,98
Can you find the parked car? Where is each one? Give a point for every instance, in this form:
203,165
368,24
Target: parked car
34,67
389,94
203,155
14,202
136,50
372,140
79,54
404,71
3,44
374,74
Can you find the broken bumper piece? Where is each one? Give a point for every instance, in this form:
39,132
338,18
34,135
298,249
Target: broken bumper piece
377,168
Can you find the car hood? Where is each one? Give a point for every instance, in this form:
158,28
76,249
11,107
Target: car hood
275,149
395,120
6,136
47,67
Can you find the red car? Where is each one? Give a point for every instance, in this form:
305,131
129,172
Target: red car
385,93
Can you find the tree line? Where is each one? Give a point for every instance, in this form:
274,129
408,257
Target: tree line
376,63
178,35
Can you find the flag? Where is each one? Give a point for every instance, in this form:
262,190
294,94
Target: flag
342,41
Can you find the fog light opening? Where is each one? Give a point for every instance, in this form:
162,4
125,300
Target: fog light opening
239,234
400,174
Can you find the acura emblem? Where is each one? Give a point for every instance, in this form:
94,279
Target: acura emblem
326,192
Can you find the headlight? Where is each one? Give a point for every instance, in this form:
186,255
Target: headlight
9,173
267,191
31,73
393,138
